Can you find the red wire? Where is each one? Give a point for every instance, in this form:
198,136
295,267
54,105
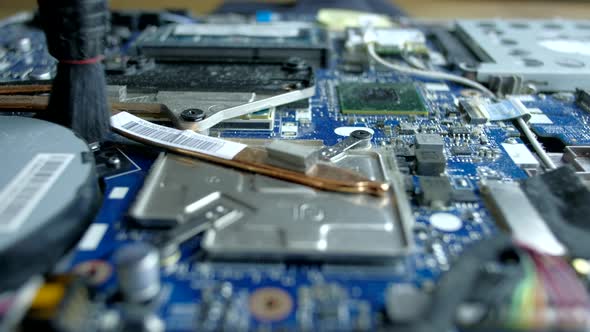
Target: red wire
90,61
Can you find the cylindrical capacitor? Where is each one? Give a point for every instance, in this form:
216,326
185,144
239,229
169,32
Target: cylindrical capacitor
138,271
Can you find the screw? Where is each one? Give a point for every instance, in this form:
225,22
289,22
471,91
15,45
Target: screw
361,134
114,161
192,114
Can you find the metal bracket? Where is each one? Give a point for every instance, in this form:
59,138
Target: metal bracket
357,139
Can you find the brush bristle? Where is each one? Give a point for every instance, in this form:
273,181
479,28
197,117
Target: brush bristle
78,100
75,32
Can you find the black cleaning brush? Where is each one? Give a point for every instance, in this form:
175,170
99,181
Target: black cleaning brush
75,32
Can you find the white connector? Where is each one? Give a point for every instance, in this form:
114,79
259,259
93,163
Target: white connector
369,36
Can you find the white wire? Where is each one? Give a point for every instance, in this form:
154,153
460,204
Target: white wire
427,73
536,145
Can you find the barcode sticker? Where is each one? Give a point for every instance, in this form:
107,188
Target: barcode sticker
20,197
184,139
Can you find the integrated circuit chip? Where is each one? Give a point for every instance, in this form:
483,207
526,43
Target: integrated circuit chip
380,99
461,150
435,188
430,142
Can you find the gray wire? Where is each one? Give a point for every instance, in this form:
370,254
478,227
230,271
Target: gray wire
427,73
536,145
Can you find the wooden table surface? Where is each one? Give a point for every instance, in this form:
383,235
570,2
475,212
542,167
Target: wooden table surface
417,8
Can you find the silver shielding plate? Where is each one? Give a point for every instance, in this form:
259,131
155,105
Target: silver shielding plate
552,55
251,217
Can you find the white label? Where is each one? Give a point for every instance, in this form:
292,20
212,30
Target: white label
540,119
184,139
118,193
20,197
521,155
436,87
93,236
535,110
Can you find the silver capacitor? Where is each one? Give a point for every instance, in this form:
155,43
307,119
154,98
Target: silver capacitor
138,271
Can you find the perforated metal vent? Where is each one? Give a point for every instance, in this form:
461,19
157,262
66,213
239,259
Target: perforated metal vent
551,55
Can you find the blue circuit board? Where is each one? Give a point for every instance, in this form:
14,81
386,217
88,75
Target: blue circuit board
358,292
17,40
568,122
322,296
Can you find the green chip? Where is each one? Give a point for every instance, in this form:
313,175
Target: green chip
380,99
